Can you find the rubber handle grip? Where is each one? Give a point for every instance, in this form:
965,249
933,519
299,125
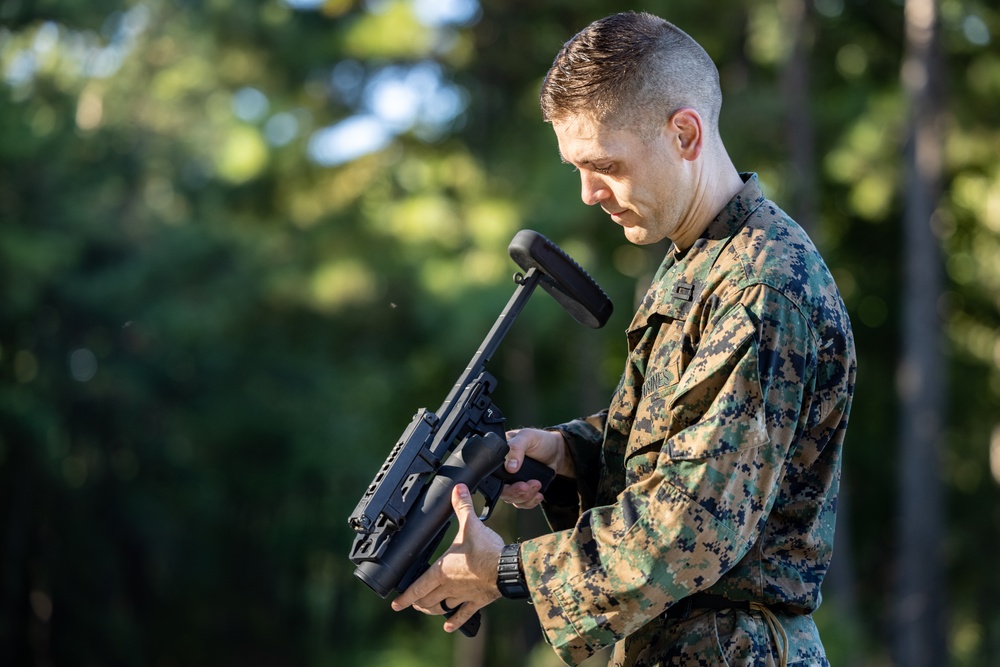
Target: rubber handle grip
530,469
568,283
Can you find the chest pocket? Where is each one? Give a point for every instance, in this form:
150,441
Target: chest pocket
663,365
702,402
718,405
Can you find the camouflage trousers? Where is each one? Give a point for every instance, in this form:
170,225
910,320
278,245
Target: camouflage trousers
714,638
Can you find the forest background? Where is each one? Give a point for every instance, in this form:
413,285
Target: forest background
241,242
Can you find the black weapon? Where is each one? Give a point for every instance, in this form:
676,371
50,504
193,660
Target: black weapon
406,510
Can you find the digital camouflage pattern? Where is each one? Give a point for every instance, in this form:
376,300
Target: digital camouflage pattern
717,465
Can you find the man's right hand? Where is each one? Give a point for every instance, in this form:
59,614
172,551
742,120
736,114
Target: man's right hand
548,447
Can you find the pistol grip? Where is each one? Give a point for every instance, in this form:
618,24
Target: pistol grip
530,469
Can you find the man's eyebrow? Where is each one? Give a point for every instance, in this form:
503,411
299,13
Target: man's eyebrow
591,160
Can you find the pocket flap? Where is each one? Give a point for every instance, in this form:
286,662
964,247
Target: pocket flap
718,405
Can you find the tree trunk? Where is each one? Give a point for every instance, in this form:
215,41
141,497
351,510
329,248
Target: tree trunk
800,137
919,635
14,559
841,579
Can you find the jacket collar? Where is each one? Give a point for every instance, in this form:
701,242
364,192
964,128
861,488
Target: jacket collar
674,297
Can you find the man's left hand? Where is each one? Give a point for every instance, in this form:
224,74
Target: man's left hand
465,575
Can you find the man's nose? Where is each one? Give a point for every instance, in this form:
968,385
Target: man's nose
593,188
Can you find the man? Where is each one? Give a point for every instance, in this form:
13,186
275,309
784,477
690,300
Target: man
701,523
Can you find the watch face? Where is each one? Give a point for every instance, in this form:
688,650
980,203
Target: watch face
515,592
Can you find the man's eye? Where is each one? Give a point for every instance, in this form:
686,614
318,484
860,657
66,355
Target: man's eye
602,170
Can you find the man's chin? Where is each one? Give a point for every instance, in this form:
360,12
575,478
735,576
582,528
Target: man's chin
638,236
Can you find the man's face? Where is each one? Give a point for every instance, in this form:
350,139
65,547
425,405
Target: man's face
643,184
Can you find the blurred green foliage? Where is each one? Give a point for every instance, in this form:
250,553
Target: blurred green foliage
210,337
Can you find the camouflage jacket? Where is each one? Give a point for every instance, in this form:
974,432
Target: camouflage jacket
717,465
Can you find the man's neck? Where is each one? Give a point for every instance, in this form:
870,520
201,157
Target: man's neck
715,187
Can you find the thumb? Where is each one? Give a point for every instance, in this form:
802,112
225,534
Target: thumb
461,501
516,452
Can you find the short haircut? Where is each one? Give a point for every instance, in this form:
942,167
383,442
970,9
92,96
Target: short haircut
632,70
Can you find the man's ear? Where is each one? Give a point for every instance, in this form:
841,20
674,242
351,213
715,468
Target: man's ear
685,128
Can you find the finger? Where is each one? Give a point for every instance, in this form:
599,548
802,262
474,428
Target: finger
400,603
461,501
463,614
516,492
530,503
431,608
419,589
441,608
515,456
521,492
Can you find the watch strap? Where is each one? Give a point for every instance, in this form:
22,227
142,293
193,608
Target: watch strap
510,574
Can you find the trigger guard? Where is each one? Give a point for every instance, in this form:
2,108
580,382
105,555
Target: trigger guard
490,490
488,509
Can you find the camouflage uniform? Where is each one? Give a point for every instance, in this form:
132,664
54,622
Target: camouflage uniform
717,465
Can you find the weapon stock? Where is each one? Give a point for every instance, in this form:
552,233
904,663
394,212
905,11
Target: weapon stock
404,513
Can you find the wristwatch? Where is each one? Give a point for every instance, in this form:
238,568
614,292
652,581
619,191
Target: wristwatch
510,574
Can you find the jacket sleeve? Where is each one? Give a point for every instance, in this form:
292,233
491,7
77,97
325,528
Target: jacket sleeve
565,499
711,470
